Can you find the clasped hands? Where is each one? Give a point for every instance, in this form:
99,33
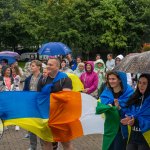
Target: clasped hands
128,120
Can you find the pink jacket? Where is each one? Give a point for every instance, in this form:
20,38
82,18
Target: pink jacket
89,79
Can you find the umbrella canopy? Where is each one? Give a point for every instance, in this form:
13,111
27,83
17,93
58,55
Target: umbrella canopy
76,82
9,53
54,48
10,59
135,63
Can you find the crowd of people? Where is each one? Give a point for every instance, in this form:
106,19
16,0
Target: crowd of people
100,81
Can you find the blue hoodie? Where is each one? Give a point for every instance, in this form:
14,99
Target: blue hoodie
107,97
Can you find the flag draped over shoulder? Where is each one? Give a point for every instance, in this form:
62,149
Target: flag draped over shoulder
108,98
112,121
143,117
111,125
70,114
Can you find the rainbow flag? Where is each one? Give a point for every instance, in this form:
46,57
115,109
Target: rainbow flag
62,116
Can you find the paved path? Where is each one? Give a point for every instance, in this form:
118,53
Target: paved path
14,140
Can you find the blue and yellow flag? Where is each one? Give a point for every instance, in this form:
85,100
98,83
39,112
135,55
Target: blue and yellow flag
29,109
143,117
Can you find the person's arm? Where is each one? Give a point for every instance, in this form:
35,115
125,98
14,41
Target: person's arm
66,89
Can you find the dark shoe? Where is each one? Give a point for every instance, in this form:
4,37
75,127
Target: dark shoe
55,145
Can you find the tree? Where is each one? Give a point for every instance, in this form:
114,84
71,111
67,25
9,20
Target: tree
82,24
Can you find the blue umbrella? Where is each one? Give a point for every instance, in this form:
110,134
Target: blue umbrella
54,48
10,59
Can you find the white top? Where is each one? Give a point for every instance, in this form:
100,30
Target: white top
110,64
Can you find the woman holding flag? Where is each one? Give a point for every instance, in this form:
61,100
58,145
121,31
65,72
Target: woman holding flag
138,116
116,95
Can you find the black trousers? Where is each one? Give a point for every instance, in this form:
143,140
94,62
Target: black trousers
118,143
137,142
131,146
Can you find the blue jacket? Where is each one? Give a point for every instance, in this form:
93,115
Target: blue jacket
73,64
107,97
141,114
27,83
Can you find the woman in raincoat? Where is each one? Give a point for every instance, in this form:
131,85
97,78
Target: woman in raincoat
138,115
90,80
116,94
79,70
99,68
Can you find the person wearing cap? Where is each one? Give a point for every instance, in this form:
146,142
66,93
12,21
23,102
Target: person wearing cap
118,59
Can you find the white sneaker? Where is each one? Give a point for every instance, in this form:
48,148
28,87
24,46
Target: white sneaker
17,128
27,136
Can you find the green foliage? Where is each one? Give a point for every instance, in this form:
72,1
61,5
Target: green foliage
82,24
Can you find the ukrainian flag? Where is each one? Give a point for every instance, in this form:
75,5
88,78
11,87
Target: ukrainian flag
60,116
